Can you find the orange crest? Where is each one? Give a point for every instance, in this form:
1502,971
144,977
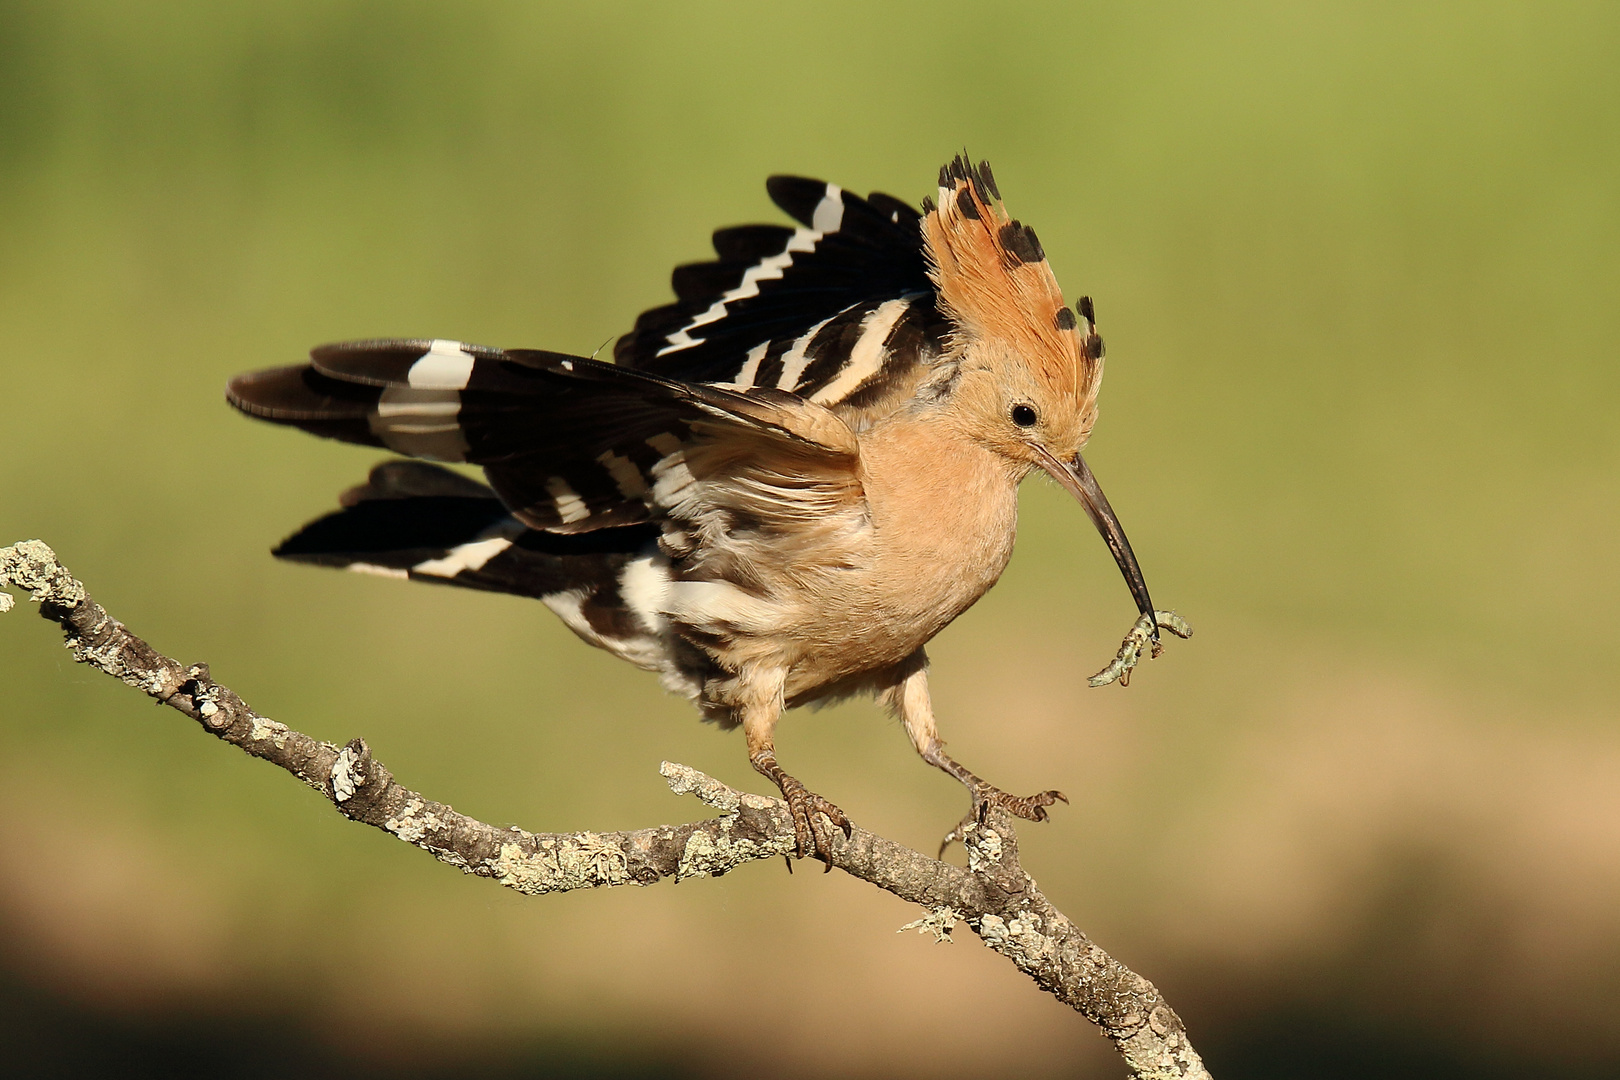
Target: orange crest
995,285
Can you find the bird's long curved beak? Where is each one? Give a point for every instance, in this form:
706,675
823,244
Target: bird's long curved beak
1076,477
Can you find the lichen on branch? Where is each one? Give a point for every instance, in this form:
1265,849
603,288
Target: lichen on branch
993,895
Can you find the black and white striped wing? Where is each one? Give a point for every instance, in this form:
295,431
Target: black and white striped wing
832,311
422,522
569,444
425,523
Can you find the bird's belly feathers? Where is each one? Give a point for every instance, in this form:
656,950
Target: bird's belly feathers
938,546
833,625
857,593
931,542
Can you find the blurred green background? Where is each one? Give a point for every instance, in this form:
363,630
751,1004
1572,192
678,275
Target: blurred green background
1357,266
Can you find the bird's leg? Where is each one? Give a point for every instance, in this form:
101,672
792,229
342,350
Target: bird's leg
908,698
814,817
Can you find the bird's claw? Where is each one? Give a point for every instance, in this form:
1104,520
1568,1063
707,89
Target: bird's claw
1144,633
986,797
814,819
1028,807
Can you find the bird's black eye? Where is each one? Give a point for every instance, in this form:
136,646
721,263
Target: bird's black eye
1023,416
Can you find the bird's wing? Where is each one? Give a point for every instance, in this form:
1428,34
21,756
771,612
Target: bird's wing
423,522
840,311
570,445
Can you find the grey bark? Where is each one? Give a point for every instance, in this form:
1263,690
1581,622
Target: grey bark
993,895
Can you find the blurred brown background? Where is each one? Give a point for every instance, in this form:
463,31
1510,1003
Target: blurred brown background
1357,267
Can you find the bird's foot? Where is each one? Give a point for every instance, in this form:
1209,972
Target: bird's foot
1143,635
814,819
987,796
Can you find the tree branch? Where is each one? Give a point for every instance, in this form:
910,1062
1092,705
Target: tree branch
993,895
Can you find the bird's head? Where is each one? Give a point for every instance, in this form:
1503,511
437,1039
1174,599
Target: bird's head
1028,367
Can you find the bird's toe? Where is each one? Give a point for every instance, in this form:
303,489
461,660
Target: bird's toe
987,797
814,821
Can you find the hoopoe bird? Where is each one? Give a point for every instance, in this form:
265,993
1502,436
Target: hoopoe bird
786,483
